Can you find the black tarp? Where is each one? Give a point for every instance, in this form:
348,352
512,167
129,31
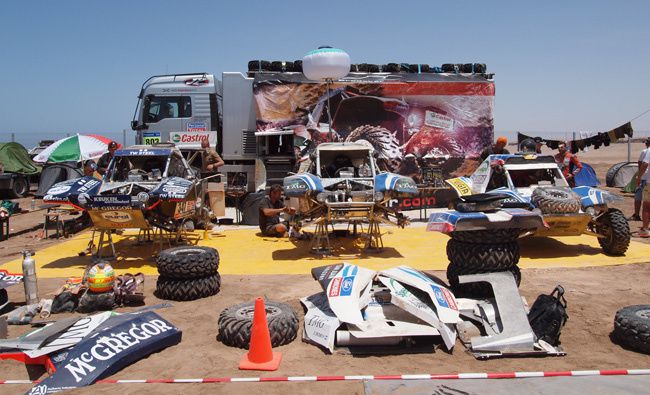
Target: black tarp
57,172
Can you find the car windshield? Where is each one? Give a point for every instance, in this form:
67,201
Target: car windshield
137,168
345,164
528,177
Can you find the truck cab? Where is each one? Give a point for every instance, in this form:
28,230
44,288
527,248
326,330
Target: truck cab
185,109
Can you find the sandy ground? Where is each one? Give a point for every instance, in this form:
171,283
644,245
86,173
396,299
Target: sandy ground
593,294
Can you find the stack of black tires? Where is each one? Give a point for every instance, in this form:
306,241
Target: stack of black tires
482,251
188,273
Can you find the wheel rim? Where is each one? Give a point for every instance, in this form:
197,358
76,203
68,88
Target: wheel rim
644,313
248,312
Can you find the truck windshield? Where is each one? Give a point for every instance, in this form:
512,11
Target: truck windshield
161,107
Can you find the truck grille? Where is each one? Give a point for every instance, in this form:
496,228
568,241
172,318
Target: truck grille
249,143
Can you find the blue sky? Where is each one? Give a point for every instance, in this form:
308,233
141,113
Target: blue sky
560,66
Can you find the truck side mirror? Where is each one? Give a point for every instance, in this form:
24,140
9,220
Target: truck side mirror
134,125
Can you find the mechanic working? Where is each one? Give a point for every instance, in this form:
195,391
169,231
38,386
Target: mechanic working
105,160
270,209
569,163
499,148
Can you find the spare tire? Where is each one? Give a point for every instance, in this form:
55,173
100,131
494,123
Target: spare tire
487,236
486,257
632,328
184,290
188,262
236,322
552,200
475,289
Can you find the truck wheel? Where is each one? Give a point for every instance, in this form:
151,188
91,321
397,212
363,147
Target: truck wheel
475,289
188,262
632,328
614,226
20,188
552,200
184,290
486,257
487,236
236,322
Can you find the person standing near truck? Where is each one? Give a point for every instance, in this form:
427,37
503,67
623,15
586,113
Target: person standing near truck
569,163
210,160
499,148
105,160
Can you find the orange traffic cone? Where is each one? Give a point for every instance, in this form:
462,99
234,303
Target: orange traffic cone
260,355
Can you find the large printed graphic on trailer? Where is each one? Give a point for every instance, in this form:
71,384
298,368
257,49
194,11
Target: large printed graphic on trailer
414,121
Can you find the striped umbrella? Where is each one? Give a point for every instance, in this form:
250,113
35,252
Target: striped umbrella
76,148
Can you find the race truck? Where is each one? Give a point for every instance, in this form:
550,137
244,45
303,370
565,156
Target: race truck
343,185
144,187
258,119
511,196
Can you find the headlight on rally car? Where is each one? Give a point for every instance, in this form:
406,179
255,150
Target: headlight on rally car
143,197
83,199
378,196
322,197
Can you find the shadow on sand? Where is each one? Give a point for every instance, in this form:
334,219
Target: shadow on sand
546,248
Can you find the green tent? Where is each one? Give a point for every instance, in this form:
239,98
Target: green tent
15,159
631,186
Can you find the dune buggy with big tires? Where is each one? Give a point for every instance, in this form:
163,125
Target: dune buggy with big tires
344,186
144,187
512,196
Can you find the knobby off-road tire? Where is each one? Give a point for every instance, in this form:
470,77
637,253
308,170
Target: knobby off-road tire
188,262
485,257
632,328
475,289
91,302
614,226
552,200
487,236
187,289
236,322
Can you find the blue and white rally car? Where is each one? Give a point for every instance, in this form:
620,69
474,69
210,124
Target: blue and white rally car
527,194
143,187
343,185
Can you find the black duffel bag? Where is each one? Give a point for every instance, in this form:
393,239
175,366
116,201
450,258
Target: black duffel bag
548,316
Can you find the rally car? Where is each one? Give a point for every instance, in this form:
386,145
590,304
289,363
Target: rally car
343,185
143,187
528,185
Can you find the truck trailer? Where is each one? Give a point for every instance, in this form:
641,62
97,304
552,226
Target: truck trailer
427,123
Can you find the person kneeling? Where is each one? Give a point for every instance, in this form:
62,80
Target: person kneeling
270,209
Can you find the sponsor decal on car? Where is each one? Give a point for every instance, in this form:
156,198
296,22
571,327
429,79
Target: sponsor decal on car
335,286
117,216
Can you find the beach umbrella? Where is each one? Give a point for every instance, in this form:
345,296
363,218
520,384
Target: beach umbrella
79,147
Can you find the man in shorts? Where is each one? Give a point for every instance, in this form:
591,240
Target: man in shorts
645,214
638,192
270,209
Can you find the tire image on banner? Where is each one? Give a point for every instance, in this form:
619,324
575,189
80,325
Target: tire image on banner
443,120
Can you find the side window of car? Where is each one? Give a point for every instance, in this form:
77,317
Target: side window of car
176,168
